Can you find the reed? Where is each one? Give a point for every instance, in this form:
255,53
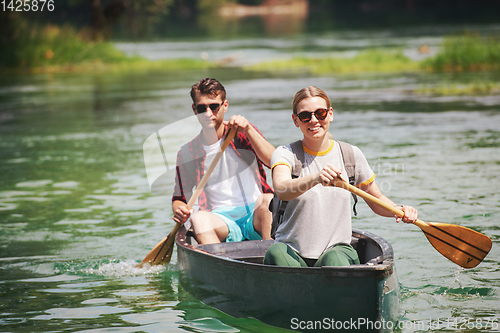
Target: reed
470,52
472,88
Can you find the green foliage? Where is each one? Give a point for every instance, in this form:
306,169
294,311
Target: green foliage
211,5
462,53
141,16
62,49
466,53
51,46
373,60
251,2
473,88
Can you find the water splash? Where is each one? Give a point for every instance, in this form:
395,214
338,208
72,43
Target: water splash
111,268
456,289
123,269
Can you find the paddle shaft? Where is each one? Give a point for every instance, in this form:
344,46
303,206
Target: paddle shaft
204,179
164,248
368,197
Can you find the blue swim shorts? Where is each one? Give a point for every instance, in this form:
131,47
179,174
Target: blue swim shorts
239,220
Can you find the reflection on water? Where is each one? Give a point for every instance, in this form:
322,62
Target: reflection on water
77,213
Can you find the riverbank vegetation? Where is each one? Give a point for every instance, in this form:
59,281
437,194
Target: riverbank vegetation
372,60
62,49
470,52
457,89
457,54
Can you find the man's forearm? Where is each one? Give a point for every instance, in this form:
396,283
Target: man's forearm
176,204
263,149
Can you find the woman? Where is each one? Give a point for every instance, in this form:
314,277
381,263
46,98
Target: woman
316,227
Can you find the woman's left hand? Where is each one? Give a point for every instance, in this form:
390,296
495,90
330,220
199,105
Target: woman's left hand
410,216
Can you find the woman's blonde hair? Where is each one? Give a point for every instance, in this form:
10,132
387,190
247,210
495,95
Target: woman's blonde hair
309,92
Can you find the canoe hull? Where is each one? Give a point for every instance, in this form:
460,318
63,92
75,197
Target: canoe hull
291,297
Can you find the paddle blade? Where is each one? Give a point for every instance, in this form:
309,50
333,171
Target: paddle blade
155,256
465,247
161,253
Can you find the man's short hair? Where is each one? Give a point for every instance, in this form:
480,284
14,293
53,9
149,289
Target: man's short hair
208,87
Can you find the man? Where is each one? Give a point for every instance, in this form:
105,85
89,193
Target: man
233,206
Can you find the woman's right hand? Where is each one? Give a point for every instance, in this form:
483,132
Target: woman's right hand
327,174
182,214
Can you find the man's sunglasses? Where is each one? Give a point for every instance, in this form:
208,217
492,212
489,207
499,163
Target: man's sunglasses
306,116
202,108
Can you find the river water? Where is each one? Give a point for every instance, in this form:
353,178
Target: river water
77,212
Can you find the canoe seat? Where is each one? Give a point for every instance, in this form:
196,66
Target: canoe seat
249,251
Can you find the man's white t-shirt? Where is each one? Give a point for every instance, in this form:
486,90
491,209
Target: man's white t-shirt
233,182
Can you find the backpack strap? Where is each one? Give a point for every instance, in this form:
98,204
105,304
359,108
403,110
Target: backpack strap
298,154
350,167
277,206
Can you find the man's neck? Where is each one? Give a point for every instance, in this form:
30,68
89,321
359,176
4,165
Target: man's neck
211,136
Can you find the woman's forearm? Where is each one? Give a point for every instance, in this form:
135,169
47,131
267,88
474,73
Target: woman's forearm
288,189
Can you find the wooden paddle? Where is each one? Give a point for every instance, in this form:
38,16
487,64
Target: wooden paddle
465,247
162,252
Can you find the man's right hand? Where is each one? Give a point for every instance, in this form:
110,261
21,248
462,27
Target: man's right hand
182,214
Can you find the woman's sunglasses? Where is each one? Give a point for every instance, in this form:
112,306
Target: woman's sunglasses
202,108
306,116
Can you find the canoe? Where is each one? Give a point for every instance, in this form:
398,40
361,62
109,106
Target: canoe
231,277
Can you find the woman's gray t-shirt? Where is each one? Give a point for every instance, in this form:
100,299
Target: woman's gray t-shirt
320,217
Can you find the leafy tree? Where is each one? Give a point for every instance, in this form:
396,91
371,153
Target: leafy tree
104,14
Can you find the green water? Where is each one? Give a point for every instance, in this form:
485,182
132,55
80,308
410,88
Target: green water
77,212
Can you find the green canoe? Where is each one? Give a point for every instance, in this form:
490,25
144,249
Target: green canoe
232,278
